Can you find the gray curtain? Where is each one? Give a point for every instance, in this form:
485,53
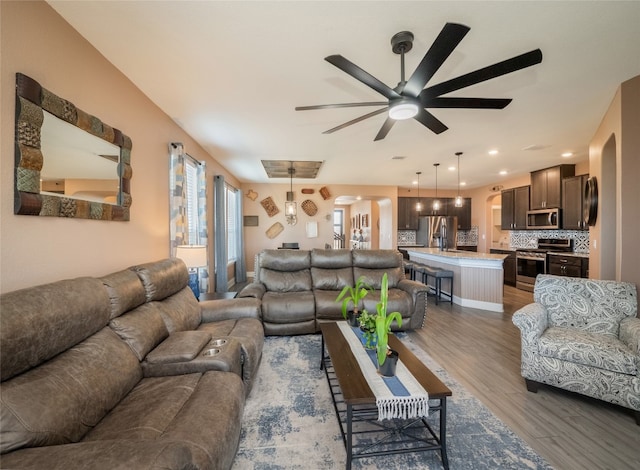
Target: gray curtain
241,267
220,242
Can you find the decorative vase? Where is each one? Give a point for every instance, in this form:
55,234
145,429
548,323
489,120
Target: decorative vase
388,367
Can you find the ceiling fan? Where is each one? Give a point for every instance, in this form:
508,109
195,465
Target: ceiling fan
410,98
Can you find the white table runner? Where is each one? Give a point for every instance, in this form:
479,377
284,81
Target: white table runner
399,397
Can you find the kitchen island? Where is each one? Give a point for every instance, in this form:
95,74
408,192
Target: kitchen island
477,277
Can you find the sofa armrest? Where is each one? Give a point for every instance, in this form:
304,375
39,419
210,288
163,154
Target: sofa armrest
230,309
418,292
413,288
112,454
532,321
630,333
255,290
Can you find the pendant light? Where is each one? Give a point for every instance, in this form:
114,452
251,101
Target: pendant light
436,202
290,208
419,203
459,199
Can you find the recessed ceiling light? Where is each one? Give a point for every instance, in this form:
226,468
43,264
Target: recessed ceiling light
503,172
567,154
414,182
493,152
359,198
463,183
452,168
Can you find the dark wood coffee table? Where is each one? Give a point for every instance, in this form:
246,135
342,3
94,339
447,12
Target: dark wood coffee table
355,403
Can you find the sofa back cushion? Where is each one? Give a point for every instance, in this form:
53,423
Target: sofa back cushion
331,269
181,311
142,328
162,278
62,399
596,306
40,322
372,264
125,290
285,270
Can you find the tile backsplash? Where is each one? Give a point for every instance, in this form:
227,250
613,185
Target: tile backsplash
465,237
529,238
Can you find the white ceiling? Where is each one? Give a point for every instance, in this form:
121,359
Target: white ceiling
231,73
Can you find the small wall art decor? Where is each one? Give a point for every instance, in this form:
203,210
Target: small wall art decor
309,207
251,194
365,220
324,192
308,191
312,229
275,230
270,206
251,221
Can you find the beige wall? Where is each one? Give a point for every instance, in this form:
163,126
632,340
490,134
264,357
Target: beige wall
614,158
37,42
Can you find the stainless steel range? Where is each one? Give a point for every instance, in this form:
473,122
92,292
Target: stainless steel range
533,261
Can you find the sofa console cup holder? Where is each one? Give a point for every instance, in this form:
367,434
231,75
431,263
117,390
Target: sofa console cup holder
218,342
211,352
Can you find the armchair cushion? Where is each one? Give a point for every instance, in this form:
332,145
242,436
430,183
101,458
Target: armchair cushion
590,349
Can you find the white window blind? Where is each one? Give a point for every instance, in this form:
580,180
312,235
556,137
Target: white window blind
232,222
191,181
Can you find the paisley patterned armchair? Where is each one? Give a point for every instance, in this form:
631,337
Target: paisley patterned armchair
583,335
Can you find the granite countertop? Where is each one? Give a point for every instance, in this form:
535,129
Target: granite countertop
460,254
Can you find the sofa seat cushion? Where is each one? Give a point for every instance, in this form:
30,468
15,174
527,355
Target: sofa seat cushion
175,408
288,307
399,301
326,306
590,349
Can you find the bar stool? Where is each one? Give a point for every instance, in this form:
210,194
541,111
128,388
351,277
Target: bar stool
439,274
419,272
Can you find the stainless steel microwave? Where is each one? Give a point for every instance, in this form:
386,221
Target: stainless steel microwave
543,219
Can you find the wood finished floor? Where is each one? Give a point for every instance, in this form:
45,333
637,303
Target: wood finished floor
482,351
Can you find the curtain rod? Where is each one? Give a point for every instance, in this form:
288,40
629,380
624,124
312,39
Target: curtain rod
175,146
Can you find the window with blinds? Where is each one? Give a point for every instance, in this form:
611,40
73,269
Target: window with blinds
233,228
191,190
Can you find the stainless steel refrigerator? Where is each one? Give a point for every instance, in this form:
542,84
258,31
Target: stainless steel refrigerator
437,231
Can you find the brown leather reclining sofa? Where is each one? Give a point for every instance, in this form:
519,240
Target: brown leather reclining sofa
298,288
112,373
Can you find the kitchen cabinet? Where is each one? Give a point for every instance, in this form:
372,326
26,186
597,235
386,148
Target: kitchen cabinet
509,266
571,266
573,202
515,204
546,186
407,214
463,213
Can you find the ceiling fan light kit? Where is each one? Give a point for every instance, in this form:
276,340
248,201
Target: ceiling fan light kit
410,99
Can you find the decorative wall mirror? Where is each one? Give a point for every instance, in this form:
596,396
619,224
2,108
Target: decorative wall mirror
68,162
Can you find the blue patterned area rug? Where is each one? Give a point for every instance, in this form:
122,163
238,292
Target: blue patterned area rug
289,421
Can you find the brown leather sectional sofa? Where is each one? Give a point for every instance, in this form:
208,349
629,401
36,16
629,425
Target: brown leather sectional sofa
298,288
111,373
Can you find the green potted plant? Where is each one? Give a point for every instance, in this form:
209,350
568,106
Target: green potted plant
387,358
354,295
367,323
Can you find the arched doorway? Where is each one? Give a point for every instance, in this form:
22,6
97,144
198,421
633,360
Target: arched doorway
607,213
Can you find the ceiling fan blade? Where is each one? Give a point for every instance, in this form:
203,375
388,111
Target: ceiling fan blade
362,76
384,130
487,73
442,47
341,105
429,120
469,103
356,120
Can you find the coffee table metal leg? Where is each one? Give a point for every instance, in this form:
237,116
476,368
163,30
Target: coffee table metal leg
349,435
443,433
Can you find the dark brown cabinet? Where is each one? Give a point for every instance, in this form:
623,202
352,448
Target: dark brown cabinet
546,186
571,266
462,213
573,202
515,204
407,213
509,266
